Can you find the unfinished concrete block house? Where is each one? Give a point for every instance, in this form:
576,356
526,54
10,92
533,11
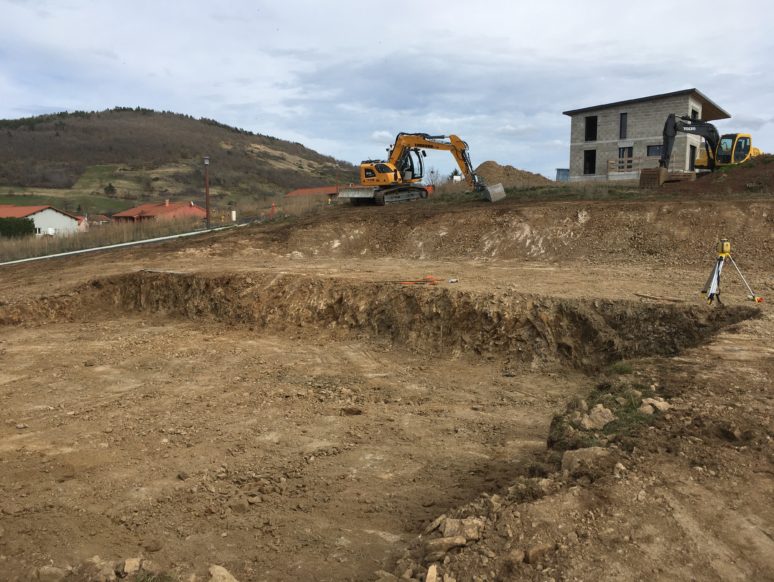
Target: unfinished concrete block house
616,140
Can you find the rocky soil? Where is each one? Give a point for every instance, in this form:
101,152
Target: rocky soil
275,403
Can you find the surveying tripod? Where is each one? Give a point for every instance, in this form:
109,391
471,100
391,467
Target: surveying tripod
712,286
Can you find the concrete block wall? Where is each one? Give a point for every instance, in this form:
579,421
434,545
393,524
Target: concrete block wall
645,125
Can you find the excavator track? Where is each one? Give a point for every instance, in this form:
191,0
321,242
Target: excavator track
382,196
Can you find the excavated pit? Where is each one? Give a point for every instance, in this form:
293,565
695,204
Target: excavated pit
289,425
582,334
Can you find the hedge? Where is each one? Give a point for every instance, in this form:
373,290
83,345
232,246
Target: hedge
16,227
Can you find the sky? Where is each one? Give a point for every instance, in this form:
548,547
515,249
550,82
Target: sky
344,77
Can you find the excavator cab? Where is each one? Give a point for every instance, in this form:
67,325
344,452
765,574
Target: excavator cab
412,165
409,169
734,148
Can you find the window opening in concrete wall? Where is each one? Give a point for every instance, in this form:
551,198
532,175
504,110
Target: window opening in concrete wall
625,156
591,128
654,151
590,161
622,126
694,113
692,159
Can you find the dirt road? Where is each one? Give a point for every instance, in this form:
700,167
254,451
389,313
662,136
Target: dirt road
274,401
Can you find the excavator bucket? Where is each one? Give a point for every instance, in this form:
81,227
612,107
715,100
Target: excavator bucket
494,193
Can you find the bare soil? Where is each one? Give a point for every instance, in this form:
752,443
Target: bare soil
754,177
275,401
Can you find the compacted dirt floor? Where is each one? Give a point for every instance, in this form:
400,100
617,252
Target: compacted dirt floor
275,400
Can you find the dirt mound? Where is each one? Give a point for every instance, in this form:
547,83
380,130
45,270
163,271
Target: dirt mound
671,233
754,177
510,177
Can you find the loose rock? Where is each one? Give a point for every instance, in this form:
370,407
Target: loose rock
220,574
470,528
538,552
130,566
598,418
432,574
575,462
435,524
152,546
657,403
516,557
443,545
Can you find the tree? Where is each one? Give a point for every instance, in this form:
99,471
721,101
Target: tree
110,190
433,177
16,227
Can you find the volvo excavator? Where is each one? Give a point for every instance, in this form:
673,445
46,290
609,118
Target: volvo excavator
730,149
399,177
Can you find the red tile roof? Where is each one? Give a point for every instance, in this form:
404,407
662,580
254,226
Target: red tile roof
320,191
11,211
155,209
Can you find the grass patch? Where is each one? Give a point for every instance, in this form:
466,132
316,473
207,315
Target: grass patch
623,399
620,368
148,577
38,246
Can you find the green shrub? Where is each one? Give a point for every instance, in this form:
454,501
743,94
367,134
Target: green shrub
16,227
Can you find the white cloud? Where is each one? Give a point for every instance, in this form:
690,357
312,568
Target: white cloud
497,73
382,136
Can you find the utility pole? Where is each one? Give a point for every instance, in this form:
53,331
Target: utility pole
207,189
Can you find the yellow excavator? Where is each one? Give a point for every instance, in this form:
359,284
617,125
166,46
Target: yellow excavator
726,150
399,177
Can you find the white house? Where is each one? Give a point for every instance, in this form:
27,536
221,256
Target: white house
47,219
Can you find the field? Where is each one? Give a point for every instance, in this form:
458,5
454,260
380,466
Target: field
277,400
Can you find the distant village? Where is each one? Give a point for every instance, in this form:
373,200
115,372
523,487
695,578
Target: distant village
51,221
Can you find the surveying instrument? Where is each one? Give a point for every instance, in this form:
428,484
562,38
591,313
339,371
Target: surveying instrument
712,286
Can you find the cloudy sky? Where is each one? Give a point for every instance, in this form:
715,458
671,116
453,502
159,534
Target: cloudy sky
343,77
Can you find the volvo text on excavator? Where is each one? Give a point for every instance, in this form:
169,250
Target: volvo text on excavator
399,177
730,149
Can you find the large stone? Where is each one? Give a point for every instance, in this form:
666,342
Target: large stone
443,545
435,524
432,574
598,418
470,528
584,460
538,552
657,403
220,574
516,557
130,566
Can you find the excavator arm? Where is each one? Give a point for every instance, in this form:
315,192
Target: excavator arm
406,142
675,123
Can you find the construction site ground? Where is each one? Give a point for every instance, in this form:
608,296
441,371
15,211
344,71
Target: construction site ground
274,400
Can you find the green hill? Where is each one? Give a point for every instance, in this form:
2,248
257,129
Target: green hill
110,160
